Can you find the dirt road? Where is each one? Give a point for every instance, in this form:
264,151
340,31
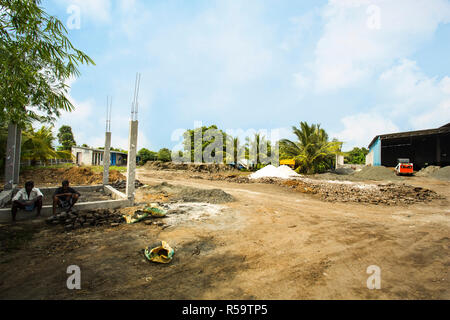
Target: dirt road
272,243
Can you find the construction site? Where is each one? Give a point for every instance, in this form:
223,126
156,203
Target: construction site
232,213
271,234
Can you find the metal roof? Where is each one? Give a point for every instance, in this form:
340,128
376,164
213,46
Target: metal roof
444,128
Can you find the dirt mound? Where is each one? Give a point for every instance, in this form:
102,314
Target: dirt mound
189,194
376,173
75,175
193,167
387,194
442,174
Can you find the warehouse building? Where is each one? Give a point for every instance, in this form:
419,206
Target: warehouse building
422,148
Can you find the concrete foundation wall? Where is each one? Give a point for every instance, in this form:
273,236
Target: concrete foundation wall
120,201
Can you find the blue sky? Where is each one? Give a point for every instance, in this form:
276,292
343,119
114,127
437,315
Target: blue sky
357,67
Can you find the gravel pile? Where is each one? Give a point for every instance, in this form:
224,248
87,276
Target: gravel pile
94,218
425,172
190,194
376,173
442,174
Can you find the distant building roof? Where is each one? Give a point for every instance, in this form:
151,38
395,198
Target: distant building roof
444,128
99,150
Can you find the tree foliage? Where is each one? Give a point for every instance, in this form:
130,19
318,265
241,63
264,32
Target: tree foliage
147,155
164,155
313,151
36,58
38,145
66,138
356,156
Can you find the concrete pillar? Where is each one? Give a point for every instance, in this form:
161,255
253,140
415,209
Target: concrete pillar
11,157
106,158
131,163
17,157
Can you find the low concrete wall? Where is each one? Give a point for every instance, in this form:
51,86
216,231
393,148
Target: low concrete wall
5,197
120,201
115,194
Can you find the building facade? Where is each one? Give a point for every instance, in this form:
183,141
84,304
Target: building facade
422,148
94,157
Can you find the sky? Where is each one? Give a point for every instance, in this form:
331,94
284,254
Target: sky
357,67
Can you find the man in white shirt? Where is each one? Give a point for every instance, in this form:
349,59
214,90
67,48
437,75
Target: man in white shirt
27,199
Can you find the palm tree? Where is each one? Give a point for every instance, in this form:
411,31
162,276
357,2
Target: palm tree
312,150
38,145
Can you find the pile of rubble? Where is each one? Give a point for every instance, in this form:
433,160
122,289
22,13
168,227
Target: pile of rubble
122,184
387,194
92,218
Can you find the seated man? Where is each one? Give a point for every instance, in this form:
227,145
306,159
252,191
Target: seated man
27,198
65,197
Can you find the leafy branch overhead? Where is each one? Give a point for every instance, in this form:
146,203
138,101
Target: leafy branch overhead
36,60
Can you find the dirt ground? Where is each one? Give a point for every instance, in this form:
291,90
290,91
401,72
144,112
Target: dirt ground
272,242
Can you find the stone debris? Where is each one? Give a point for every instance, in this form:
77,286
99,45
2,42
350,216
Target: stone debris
93,218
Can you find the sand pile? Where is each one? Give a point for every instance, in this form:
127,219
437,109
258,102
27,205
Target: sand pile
376,173
270,171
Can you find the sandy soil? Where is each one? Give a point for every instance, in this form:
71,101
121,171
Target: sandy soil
272,243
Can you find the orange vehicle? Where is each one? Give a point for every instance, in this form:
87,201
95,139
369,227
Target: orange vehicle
404,167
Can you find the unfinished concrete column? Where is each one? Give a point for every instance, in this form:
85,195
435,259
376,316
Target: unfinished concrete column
106,158
11,164
17,158
131,163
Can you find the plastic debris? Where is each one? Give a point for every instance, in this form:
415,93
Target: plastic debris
160,253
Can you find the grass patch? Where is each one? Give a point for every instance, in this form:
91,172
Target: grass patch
100,168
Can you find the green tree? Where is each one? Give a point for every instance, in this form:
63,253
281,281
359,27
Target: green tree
313,150
38,145
36,59
189,140
164,155
66,138
356,156
147,155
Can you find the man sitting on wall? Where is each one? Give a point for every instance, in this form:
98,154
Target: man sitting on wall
27,199
65,197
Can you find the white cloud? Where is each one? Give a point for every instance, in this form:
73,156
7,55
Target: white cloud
410,94
361,128
350,51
